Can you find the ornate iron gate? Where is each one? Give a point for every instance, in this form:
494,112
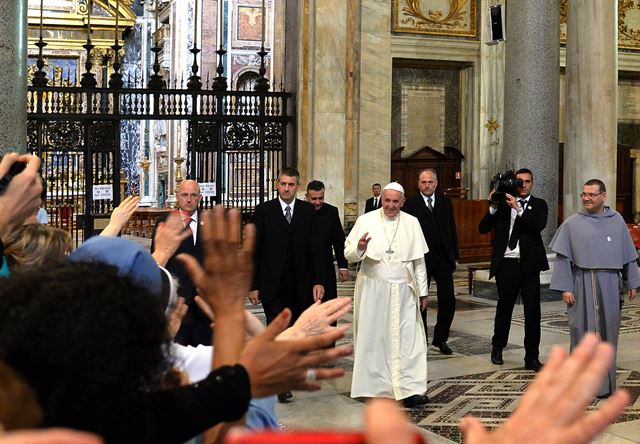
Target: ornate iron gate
236,139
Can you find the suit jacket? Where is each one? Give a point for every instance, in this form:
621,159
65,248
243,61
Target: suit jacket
368,205
272,235
533,256
439,227
333,235
175,267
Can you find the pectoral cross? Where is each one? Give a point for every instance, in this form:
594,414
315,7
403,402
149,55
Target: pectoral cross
389,251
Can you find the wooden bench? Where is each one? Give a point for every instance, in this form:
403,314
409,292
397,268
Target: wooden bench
471,269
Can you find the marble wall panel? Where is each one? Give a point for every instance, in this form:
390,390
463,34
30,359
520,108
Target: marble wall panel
448,80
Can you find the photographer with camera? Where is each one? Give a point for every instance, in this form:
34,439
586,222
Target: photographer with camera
518,258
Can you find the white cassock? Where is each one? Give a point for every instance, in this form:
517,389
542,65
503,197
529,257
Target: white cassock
390,350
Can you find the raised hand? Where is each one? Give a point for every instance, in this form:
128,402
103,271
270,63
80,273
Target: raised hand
552,410
168,237
21,198
363,242
49,436
224,279
121,215
280,366
317,319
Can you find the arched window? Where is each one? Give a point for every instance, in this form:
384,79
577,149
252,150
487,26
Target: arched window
247,81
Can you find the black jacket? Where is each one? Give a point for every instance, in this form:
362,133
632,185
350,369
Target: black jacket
533,256
368,205
272,236
333,235
439,227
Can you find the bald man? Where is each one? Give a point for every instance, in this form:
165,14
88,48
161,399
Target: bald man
195,328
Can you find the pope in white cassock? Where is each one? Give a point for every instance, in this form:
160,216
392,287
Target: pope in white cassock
390,357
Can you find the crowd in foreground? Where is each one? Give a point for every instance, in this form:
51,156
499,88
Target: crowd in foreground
86,344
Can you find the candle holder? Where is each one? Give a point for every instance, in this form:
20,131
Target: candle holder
178,160
262,84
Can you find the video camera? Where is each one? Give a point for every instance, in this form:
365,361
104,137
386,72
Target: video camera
503,183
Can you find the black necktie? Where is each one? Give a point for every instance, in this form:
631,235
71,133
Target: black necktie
375,203
287,213
515,232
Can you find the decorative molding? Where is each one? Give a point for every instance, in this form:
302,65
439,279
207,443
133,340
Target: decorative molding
246,59
492,125
458,19
628,23
404,46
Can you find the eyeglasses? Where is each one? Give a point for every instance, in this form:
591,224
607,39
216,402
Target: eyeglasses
186,195
589,195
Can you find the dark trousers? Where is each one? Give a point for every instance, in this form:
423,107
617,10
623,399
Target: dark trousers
440,272
511,280
286,297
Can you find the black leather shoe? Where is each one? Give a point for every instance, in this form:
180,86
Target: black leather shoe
533,364
443,347
496,356
415,400
285,397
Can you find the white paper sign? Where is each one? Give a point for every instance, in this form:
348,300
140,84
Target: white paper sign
102,192
208,189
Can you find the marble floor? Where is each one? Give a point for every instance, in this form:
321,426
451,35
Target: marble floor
467,382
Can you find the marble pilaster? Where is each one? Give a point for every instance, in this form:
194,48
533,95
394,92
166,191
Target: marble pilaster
327,158
373,159
488,152
531,97
591,99
13,76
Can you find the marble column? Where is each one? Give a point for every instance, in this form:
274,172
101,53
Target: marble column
13,76
373,159
531,100
591,99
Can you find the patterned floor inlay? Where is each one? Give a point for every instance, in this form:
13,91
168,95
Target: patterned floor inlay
492,397
461,304
557,321
462,344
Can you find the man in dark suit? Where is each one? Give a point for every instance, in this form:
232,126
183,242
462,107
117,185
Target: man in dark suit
435,214
333,235
373,203
518,258
195,328
288,254
288,266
